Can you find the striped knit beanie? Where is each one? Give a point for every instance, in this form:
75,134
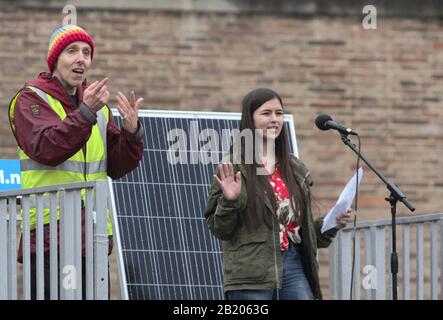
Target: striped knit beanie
64,36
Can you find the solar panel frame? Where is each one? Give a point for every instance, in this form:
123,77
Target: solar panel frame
148,238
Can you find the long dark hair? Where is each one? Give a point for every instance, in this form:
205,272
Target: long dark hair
252,219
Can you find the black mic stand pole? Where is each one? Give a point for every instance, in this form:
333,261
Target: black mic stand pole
395,196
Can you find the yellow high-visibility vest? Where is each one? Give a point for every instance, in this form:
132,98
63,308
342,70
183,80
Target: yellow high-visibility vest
78,168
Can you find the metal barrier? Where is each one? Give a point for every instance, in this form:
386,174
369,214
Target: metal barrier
66,265
374,277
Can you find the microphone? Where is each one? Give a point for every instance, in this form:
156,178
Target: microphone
325,122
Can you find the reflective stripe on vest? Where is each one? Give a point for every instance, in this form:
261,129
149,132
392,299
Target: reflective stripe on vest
68,165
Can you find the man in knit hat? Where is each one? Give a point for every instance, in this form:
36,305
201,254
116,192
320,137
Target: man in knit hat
59,121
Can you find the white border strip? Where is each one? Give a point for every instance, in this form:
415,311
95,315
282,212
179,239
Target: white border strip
117,241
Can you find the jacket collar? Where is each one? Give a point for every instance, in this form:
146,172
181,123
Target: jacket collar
52,86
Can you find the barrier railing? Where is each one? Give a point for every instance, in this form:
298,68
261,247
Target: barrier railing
66,204
372,274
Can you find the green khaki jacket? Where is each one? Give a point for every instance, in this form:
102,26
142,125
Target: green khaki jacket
253,261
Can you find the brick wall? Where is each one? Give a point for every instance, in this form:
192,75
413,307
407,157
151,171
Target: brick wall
384,83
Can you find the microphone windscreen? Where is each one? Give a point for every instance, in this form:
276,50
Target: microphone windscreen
320,121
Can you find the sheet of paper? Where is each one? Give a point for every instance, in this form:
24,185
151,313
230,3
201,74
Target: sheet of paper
344,202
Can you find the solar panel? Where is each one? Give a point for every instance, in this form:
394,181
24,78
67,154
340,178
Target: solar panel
165,247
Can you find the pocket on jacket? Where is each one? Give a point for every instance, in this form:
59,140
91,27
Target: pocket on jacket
246,258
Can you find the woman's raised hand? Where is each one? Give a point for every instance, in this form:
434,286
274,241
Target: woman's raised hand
229,182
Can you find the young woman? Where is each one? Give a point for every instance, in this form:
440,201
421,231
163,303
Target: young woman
261,210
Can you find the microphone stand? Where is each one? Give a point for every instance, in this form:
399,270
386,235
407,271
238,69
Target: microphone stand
395,196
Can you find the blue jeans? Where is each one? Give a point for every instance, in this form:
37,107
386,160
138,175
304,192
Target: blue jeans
295,286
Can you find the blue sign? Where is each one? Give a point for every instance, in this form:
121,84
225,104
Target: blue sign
10,175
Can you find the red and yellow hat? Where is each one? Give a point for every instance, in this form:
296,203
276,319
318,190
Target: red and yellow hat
64,36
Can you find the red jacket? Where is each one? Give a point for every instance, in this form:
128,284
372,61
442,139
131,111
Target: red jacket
45,138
